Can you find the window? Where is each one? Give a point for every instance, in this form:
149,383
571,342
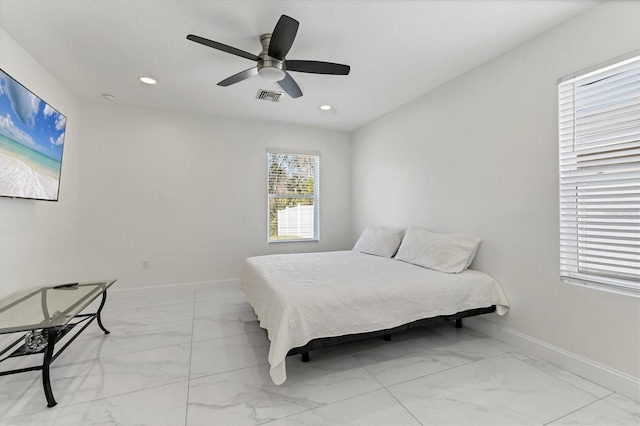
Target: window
599,125
293,196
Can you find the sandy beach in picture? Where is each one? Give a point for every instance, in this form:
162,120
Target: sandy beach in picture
24,180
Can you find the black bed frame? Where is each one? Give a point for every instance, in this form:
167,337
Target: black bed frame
326,342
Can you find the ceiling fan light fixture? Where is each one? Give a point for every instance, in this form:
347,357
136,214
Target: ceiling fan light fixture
271,73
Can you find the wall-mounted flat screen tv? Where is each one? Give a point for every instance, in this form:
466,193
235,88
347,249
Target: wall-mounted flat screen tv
31,143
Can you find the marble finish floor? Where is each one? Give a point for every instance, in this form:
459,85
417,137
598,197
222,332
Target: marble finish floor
196,356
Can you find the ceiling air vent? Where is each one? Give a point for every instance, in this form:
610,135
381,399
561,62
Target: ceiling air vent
268,95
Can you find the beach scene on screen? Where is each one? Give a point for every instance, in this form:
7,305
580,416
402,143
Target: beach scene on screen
31,143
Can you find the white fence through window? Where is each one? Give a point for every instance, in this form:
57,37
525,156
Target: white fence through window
296,222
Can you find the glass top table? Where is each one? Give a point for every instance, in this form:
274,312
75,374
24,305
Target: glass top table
47,315
46,307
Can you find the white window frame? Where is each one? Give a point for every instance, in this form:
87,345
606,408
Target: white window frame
315,196
599,141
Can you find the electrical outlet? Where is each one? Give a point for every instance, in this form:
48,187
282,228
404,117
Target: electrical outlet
145,264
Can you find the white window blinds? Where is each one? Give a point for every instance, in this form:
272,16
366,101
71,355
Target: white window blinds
293,180
600,177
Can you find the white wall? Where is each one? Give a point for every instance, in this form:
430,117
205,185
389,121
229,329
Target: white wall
479,155
188,193
38,239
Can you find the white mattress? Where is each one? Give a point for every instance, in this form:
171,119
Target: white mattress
300,297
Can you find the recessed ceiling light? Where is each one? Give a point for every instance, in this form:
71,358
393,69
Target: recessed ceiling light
325,107
108,97
147,80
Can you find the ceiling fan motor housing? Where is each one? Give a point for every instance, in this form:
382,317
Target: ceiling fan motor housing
269,68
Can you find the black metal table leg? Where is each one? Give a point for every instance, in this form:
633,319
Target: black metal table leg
104,299
48,354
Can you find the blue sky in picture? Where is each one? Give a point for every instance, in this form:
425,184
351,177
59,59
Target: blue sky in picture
28,120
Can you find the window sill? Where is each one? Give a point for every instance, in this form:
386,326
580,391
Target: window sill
297,240
602,287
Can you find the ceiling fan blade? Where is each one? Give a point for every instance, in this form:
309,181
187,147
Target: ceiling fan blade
290,86
242,75
222,47
318,67
282,37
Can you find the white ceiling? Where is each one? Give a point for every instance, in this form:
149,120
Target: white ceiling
397,50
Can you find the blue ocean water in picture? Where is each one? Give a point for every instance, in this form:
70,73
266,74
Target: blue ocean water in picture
32,158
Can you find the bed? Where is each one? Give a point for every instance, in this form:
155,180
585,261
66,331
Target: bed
305,298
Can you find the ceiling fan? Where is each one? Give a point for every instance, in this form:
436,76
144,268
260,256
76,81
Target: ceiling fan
271,62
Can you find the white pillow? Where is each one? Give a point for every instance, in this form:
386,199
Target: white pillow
451,253
379,240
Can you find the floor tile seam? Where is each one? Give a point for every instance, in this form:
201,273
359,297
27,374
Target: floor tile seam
401,404
214,299
184,316
69,364
144,309
562,378
364,367
197,340
501,345
320,406
442,371
636,413
385,388
177,289
425,375
115,328
129,352
110,308
222,298
576,410
61,404
193,320
200,316
232,335
226,371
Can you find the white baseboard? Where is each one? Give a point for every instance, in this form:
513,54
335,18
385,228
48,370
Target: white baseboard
607,377
194,285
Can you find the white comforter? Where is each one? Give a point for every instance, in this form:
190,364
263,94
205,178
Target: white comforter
300,297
